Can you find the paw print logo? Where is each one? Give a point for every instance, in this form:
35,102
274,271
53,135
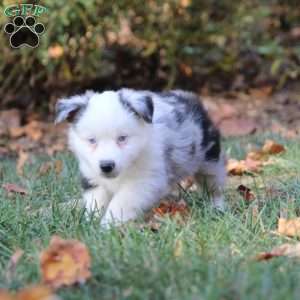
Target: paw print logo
24,32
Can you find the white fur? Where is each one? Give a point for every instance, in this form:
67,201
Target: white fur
141,175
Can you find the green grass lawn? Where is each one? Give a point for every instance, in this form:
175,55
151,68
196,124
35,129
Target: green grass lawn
216,259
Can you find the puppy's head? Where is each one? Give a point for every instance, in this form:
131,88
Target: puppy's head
108,131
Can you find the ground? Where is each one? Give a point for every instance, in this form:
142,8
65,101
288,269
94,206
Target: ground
207,256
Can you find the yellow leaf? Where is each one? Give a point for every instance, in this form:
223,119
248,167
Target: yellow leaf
289,227
65,262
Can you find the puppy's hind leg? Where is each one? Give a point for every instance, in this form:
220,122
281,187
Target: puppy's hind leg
213,178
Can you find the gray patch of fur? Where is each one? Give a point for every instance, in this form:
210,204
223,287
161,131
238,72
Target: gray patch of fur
141,107
72,108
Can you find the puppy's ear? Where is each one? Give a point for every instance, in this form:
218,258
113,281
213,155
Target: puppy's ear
141,106
68,108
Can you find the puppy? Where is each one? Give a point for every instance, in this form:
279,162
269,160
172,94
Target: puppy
133,146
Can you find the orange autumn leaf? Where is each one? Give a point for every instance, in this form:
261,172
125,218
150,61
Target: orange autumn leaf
240,167
13,188
5,295
34,130
65,262
254,159
171,208
236,167
289,227
271,147
38,292
246,193
288,250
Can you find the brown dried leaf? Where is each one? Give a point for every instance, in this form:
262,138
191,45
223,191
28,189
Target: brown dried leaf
13,188
246,193
65,262
236,167
34,130
288,250
171,208
5,295
39,292
289,227
16,132
253,165
271,147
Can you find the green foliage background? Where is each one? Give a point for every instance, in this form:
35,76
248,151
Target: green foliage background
152,44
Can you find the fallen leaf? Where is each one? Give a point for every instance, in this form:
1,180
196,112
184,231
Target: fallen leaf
271,147
38,292
236,167
254,160
171,208
256,155
240,167
23,157
16,132
289,227
5,295
12,264
253,165
65,262
246,193
288,250
13,188
34,130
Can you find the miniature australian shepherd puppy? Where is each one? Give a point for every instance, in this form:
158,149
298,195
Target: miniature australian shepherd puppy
133,146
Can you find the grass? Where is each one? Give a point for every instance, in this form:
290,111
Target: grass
216,259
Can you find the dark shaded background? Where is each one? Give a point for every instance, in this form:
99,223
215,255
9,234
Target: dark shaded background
200,45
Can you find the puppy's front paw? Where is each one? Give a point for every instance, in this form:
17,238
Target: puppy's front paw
95,201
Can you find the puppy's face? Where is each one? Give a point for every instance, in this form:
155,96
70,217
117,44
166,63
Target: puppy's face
109,131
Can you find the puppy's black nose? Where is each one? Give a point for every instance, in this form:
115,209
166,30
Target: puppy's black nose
107,166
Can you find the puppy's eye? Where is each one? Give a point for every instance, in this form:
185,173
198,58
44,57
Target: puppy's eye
92,141
122,138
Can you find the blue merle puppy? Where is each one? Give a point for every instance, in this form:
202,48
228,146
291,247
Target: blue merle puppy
133,146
